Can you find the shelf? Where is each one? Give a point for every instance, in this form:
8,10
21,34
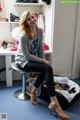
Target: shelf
9,22
4,22
9,52
29,4
48,52
14,22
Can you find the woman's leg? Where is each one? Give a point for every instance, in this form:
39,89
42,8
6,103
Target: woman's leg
47,73
35,67
40,79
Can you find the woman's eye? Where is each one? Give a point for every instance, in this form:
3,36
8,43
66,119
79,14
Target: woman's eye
29,19
33,17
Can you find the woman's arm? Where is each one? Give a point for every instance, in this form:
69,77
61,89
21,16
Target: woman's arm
41,49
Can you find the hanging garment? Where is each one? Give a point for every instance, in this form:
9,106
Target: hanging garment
41,21
1,6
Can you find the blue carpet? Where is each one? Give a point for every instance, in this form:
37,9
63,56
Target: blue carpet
24,110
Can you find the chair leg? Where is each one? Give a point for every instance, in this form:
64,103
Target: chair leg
22,93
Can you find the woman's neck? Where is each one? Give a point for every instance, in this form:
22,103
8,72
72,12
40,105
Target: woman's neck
33,32
33,29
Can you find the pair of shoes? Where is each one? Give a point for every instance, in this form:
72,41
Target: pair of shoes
33,99
14,18
54,107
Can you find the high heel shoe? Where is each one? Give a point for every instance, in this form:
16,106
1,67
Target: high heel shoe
54,108
34,100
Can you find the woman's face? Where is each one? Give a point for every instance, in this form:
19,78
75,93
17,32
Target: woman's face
31,20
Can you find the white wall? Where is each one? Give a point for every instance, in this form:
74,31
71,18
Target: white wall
63,38
5,33
48,24
76,56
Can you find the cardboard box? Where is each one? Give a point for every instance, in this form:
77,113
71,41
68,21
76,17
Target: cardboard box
2,19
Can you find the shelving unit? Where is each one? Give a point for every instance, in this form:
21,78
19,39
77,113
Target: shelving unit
11,6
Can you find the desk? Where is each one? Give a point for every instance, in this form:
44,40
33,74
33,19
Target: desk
8,59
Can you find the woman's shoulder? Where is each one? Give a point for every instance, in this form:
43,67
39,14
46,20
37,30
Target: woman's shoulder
39,30
16,34
22,36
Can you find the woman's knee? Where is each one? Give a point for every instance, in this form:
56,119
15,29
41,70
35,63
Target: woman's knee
49,68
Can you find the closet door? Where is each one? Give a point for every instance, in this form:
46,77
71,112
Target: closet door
63,38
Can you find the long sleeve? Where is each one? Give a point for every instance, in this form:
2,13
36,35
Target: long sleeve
41,49
26,53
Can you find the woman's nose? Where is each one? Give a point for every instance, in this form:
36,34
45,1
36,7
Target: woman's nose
32,18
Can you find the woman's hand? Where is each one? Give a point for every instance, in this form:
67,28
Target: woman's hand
47,62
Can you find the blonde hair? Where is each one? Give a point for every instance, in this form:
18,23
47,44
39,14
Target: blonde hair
24,28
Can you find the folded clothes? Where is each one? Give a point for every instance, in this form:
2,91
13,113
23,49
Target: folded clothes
13,48
72,90
46,47
62,86
65,86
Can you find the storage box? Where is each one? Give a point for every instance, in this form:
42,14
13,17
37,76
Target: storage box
2,19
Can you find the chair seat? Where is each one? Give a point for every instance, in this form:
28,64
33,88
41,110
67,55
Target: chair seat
15,67
21,94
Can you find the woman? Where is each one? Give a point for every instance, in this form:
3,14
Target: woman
30,56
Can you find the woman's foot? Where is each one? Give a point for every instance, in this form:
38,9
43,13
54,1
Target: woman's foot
59,112
33,96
